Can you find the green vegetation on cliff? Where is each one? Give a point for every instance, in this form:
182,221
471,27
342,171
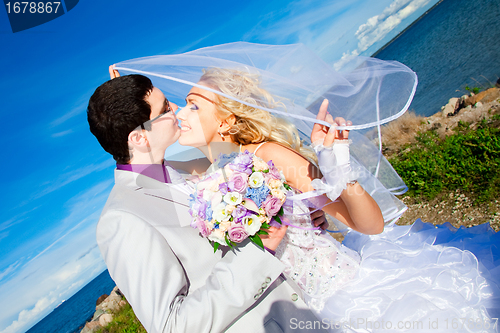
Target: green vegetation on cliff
468,160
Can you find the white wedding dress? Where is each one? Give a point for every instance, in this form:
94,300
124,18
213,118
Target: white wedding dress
419,278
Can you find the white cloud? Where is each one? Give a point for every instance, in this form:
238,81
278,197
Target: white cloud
379,26
318,24
17,219
27,316
42,285
346,58
336,30
9,269
63,133
80,108
34,288
71,176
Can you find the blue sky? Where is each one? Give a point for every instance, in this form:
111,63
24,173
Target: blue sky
57,177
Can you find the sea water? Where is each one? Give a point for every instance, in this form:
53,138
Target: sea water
455,45
72,314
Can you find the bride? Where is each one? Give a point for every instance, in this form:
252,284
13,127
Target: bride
407,278
401,278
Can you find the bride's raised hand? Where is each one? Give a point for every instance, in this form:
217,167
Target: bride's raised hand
327,135
113,73
320,131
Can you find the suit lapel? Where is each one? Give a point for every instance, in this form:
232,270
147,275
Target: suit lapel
162,198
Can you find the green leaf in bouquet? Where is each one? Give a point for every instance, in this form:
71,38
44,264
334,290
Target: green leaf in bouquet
265,225
216,246
281,212
256,239
287,186
262,232
229,242
277,218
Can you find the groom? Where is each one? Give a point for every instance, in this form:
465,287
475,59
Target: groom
168,272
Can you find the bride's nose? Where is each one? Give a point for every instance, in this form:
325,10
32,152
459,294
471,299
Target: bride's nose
181,112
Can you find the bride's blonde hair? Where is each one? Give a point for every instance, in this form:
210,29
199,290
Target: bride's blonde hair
252,125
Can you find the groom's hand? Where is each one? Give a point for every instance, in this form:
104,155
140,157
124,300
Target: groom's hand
274,237
319,219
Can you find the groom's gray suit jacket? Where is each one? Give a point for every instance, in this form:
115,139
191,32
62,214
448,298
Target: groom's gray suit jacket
171,275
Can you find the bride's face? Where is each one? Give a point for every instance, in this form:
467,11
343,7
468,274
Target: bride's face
199,123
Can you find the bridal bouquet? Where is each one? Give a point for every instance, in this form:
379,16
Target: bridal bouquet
243,197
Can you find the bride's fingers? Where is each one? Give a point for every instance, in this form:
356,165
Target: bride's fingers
329,119
345,133
113,73
330,136
319,130
341,134
323,110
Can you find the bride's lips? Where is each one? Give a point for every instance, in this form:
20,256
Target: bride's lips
185,128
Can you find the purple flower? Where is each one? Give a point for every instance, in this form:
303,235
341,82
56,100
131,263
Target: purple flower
271,205
202,227
273,171
237,233
223,188
243,163
239,212
199,207
238,182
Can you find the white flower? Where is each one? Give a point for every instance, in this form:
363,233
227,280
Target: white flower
208,195
233,198
218,236
252,224
220,214
216,199
256,180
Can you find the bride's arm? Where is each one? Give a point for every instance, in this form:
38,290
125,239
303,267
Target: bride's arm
356,208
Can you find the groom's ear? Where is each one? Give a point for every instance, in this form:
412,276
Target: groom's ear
137,138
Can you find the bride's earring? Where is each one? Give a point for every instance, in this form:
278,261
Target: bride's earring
221,136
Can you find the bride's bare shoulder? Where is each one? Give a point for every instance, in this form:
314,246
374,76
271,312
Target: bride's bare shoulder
275,151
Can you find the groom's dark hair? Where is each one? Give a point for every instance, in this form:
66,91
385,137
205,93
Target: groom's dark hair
116,108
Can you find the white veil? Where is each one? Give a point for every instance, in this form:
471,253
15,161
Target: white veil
371,93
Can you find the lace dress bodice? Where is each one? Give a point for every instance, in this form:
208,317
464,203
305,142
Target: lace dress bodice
318,263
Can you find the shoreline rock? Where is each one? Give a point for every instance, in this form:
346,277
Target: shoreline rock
105,307
404,129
